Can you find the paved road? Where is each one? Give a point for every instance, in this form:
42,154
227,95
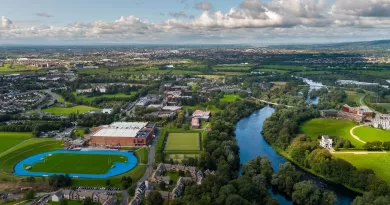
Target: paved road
151,156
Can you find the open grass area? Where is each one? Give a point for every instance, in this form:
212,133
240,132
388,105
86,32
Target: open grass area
331,127
142,155
230,98
17,68
210,76
9,158
384,105
77,163
233,67
80,109
10,139
353,96
379,163
369,134
183,142
210,108
180,157
86,98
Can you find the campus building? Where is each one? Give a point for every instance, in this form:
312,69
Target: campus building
199,116
123,134
382,122
97,197
342,115
362,110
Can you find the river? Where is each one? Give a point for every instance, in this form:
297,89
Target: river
253,144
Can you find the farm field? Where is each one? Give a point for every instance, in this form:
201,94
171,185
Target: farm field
9,158
77,163
17,68
230,98
90,99
331,127
379,163
183,142
232,67
210,76
369,134
67,111
10,139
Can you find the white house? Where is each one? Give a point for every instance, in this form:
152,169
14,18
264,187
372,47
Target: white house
326,142
56,197
107,110
382,122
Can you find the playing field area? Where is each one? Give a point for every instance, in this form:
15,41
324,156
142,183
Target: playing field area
330,127
379,163
183,142
76,163
369,134
80,109
10,139
230,98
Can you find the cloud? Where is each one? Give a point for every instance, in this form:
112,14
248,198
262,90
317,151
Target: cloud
181,14
203,6
249,21
45,15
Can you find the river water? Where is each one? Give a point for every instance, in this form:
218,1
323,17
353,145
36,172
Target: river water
253,144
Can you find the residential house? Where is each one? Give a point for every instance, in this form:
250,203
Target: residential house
326,142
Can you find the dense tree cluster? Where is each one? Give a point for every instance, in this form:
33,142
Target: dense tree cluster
36,127
60,180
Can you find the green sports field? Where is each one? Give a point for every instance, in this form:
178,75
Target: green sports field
9,158
183,142
111,96
379,163
67,111
369,134
10,139
331,127
77,163
230,98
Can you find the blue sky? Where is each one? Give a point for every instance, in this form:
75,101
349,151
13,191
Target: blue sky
193,21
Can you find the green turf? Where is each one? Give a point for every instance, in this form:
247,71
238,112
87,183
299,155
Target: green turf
10,139
182,142
353,96
230,98
111,96
142,155
77,163
369,134
330,127
379,163
210,108
80,109
384,105
9,158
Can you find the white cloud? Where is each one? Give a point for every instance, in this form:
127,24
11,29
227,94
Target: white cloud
204,6
5,23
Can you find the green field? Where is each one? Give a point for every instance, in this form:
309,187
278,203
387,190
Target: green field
331,127
183,142
80,109
379,163
230,98
85,98
384,105
9,158
353,96
10,139
142,155
369,134
77,163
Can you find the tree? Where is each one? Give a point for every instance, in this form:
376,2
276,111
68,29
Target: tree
63,201
29,195
162,185
88,201
306,193
126,182
108,182
154,198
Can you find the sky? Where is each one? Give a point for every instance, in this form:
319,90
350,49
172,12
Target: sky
253,22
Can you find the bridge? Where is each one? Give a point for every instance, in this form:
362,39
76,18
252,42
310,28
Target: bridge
271,103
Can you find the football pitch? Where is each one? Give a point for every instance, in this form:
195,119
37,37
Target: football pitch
183,142
76,163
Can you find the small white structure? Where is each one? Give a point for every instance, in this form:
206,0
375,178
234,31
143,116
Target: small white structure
382,122
107,110
56,197
326,142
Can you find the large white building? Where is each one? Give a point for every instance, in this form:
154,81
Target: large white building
326,142
382,122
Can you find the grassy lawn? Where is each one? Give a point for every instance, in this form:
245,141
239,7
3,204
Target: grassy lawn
332,127
77,163
9,158
380,163
142,154
179,157
353,96
174,176
230,98
211,76
111,96
10,139
67,111
369,134
182,142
